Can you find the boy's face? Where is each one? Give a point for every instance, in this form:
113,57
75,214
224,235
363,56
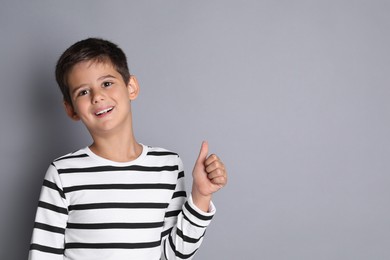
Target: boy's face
100,97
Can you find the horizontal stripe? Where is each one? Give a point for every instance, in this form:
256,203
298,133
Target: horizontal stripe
109,205
181,175
72,157
195,213
112,245
179,194
53,186
173,213
187,238
178,254
114,225
161,153
52,207
49,228
166,232
155,186
120,168
192,223
47,249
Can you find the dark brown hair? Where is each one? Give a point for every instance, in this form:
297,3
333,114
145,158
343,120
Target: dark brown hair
91,49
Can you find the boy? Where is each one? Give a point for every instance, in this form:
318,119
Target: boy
117,199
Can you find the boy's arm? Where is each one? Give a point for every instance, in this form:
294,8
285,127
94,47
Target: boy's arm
185,224
47,241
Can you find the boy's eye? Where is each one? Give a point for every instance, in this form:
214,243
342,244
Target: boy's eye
83,92
107,84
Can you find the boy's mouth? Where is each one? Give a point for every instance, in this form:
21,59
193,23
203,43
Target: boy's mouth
104,111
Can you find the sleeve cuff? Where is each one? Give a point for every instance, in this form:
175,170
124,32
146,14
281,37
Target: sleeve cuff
211,211
197,216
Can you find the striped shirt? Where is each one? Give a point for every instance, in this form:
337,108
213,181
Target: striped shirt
93,208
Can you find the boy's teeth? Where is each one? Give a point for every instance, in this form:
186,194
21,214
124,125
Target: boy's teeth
104,111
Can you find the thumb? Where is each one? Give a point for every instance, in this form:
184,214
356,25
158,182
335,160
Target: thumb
204,150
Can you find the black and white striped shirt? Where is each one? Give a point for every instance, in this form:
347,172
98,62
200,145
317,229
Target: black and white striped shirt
93,208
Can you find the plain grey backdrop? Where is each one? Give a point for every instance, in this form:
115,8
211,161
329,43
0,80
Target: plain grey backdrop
293,96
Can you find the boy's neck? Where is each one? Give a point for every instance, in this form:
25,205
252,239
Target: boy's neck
123,148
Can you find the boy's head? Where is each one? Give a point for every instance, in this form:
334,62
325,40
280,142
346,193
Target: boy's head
91,49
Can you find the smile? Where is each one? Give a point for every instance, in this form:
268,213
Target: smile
104,111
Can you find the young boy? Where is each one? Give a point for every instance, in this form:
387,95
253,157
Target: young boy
117,199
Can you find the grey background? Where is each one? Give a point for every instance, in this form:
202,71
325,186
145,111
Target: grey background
293,95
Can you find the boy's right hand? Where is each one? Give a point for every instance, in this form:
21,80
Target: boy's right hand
209,175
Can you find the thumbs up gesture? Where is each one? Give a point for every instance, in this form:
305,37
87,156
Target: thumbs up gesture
209,175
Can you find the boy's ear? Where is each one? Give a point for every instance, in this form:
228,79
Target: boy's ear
133,88
70,111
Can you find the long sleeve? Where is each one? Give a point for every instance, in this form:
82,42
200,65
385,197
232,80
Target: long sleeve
47,241
184,225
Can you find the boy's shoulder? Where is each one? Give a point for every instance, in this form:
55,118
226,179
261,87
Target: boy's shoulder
161,156
158,151
77,155
80,153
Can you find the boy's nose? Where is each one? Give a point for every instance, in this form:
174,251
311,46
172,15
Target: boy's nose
97,96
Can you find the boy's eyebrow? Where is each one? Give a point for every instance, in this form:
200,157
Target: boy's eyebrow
106,76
